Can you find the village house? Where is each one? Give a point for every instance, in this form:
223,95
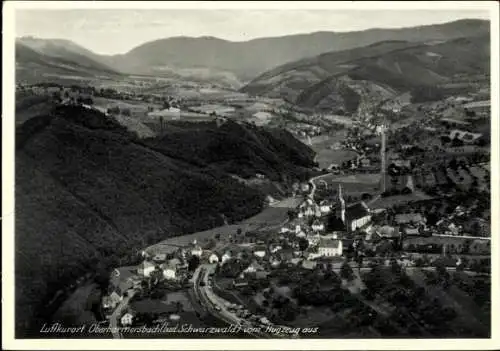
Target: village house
146,268
412,231
409,218
175,262
225,257
213,258
240,282
197,251
120,290
313,239
330,247
275,262
318,226
108,304
387,231
159,258
325,207
253,267
171,113
304,187
465,136
273,248
127,319
309,265
169,271
285,229
312,254
260,251
298,228
365,162
301,234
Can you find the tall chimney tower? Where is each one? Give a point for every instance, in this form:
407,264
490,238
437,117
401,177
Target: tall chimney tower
383,166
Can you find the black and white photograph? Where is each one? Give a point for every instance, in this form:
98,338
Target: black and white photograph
209,173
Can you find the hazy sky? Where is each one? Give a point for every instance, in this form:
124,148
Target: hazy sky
117,31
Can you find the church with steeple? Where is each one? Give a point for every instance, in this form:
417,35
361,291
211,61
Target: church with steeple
354,216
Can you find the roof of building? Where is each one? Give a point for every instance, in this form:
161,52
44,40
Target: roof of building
357,210
307,264
408,217
160,257
165,266
122,273
475,104
174,262
145,264
165,112
329,243
262,114
387,231
256,265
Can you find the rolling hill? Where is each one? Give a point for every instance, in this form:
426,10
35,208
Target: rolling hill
345,79
89,192
39,60
234,63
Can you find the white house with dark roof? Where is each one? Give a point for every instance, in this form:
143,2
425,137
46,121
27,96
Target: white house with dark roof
318,226
330,247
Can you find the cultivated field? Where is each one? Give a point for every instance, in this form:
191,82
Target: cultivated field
326,157
272,216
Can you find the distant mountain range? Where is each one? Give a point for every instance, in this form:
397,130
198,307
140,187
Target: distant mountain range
344,79
237,61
